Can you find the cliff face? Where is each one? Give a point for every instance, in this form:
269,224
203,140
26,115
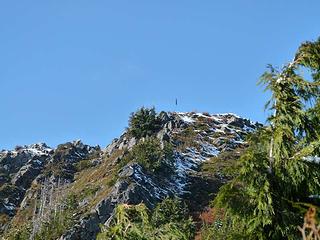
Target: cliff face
35,179
18,169
37,164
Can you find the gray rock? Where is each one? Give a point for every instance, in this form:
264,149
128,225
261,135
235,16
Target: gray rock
163,135
134,186
20,167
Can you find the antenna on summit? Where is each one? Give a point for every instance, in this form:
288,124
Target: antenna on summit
176,104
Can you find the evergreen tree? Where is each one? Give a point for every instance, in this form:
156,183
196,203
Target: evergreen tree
277,170
153,156
136,222
144,122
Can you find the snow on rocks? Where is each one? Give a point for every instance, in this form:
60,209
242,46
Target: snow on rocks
214,134
187,119
188,161
34,149
196,138
144,180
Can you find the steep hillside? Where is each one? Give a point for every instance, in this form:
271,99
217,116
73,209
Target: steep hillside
68,192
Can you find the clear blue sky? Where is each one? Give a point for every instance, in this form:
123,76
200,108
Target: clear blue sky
76,69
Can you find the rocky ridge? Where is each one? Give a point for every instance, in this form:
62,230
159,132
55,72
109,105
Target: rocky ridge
27,164
196,137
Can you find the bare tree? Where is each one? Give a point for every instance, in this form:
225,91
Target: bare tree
310,229
48,203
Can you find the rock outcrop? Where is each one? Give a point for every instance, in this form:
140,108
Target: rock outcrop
210,135
195,138
20,167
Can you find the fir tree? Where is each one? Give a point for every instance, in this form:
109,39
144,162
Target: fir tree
137,222
153,156
144,122
277,170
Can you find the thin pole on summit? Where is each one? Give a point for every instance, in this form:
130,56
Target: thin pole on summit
176,104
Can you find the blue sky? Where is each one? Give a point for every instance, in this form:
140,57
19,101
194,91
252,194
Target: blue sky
76,69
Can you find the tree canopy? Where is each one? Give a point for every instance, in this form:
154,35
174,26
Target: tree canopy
278,170
144,122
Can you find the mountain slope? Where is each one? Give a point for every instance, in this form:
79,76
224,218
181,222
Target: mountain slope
85,184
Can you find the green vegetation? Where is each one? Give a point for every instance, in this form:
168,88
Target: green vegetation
20,234
222,228
95,182
226,164
6,189
60,222
270,183
91,185
4,219
52,228
83,164
169,210
274,175
144,122
152,156
186,139
169,220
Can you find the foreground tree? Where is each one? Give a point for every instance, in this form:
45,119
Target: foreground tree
280,168
169,220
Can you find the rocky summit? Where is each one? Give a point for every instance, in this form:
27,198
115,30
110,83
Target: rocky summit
85,184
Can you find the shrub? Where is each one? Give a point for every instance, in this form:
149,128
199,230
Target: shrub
23,233
223,228
83,164
144,122
152,156
186,139
133,222
226,164
169,210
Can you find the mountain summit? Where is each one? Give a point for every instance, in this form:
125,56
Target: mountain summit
74,189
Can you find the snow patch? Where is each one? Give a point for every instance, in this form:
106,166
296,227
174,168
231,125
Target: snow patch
189,161
187,119
143,181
